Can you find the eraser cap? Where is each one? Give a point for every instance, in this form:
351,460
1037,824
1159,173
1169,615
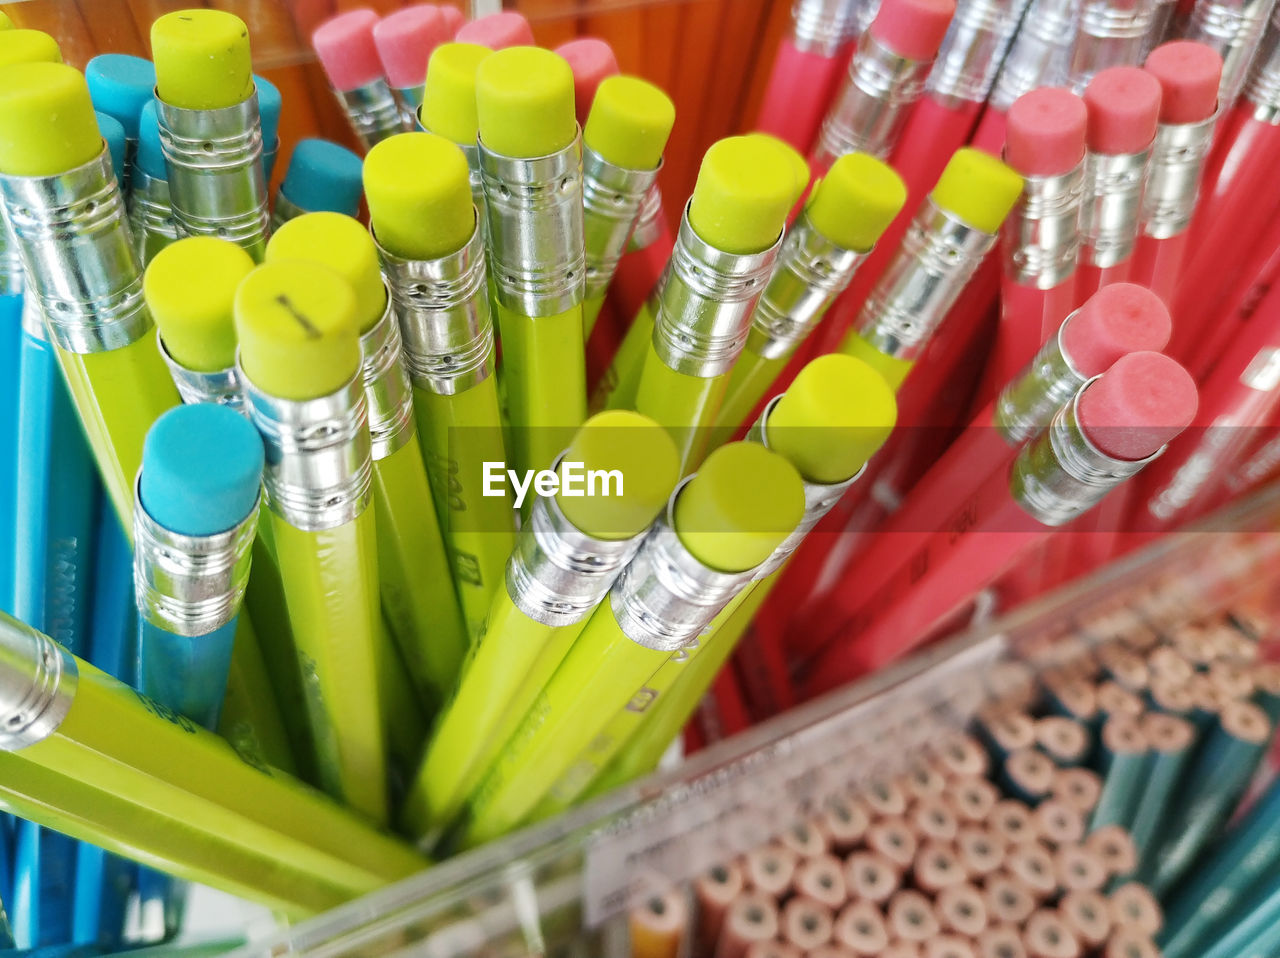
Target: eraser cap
856,201
913,28
1045,133
453,18
746,187
28,46
497,31
190,287
639,450
1119,319
342,244
1189,74
113,133
121,85
739,507
978,189
592,62
270,106
630,122
405,40
524,102
201,469
47,121
832,418
449,97
203,60
419,194
323,176
149,156
344,45
1144,400
5,22
1124,109
296,322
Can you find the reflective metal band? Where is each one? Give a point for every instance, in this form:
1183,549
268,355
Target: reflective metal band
1263,87
1041,236
1111,34
811,271
1062,475
223,386
648,226
38,680
387,393
190,585
536,244
1039,52
11,282
820,26
442,308
873,104
864,12
557,574
938,256
319,468
1173,176
284,210
150,215
33,322
410,96
1110,208
1027,404
372,111
612,198
704,303
78,254
973,49
217,184
1234,29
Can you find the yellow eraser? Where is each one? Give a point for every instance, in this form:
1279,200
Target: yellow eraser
856,201
739,507
626,466
630,122
342,244
832,418
5,22
977,188
190,288
419,194
296,322
893,370
47,123
524,102
449,96
746,187
28,46
202,59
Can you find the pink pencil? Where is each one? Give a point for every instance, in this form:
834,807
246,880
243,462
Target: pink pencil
405,41
497,31
592,61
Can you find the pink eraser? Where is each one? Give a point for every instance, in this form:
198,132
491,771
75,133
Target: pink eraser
1119,319
1124,108
1045,131
592,61
1188,73
405,40
913,28
453,18
497,31
346,49
1138,405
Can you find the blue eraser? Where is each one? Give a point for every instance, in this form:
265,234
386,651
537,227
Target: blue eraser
201,469
113,132
150,157
270,103
121,85
324,176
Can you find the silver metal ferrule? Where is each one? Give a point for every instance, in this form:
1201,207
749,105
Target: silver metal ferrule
810,273
1234,29
442,307
1173,176
151,215
665,597
223,386
873,104
1061,475
536,244
612,197
410,97
372,111
820,26
1040,238
1039,52
1027,404
1111,206
557,574
38,680
819,498
704,303
648,221
863,14
283,210
190,585
938,256
1111,34
217,183
32,320
319,468
387,393
1263,87
78,255
11,282
973,49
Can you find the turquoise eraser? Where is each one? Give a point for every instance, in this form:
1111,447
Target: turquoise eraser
270,103
201,469
324,176
149,157
113,132
121,85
